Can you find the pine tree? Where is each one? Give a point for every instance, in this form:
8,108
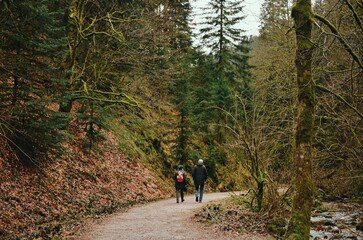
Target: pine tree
32,47
229,48
222,37
180,45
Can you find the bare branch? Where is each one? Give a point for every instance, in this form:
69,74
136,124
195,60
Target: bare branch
355,15
324,89
340,37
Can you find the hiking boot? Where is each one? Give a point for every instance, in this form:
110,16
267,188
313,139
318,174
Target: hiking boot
196,199
182,200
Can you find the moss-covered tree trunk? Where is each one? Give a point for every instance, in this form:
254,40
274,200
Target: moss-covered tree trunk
66,105
72,32
299,225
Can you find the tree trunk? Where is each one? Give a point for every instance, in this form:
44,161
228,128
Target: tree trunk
299,225
66,104
260,187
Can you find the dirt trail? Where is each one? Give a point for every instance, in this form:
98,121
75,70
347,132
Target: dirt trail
163,219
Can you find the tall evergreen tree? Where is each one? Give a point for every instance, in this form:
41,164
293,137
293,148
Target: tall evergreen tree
180,45
222,37
229,47
32,47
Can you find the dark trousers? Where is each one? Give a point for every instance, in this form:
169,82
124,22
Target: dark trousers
199,189
179,194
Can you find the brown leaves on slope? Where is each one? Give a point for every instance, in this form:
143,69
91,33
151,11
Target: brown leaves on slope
47,201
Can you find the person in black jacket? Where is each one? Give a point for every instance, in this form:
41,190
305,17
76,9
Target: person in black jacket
199,175
180,179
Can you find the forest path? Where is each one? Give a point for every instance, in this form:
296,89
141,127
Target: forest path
164,219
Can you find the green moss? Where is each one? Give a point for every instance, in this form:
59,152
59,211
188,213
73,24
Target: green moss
276,226
299,227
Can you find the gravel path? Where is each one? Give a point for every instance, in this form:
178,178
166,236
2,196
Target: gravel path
163,219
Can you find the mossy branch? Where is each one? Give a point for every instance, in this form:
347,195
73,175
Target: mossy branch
355,15
126,102
340,37
130,99
324,89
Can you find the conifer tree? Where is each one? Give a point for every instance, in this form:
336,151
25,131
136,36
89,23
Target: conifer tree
222,37
180,45
32,47
229,47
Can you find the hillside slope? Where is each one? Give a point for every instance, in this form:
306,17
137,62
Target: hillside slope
51,199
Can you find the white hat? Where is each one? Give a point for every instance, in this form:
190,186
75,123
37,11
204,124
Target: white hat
200,162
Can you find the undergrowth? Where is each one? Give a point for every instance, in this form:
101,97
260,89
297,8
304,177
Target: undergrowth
235,215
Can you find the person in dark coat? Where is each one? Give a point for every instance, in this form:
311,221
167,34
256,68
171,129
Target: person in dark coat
199,175
181,182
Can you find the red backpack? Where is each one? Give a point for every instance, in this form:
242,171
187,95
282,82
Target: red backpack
180,177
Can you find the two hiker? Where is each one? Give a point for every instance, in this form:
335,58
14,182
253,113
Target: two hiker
199,175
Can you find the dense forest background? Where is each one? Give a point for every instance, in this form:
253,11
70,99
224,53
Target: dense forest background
84,81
